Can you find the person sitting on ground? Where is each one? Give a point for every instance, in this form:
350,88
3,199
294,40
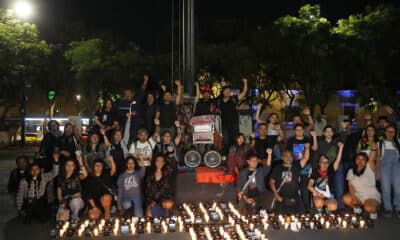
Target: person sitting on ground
388,170
362,187
144,146
237,155
168,141
95,150
322,184
129,187
18,173
264,141
285,184
31,196
250,185
69,190
159,192
119,146
99,187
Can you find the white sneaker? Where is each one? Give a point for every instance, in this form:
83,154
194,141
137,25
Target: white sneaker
373,216
357,210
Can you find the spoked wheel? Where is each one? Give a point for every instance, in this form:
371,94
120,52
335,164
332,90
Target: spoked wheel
212,159
192,158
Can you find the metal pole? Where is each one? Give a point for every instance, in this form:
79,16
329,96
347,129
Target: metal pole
23,116
172,41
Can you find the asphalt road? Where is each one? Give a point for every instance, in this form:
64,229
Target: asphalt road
11,228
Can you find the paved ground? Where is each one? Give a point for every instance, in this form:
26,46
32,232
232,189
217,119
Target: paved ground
11,228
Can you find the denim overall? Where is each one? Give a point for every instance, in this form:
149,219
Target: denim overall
390,176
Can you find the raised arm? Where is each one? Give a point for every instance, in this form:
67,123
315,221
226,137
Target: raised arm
258,113
178,98
127,128
83,172
107,143
306,157
315,141
196,84
178,137
281,135
112,164
338,156
243,93
310,119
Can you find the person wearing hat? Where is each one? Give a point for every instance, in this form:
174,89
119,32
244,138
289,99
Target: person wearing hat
204,105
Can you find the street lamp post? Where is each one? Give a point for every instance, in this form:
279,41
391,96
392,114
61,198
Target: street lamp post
78,100
23,9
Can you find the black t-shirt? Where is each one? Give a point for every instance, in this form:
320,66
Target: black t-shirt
297,147
203,107
229,112
149,114
252,190
261,145
350,145
107,118
167,114
70,186
321,181
291,186
97,186
326,148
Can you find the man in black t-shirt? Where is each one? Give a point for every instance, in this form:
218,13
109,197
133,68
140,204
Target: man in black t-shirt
285,184
229,114
263,141
205,105
166,112
251,183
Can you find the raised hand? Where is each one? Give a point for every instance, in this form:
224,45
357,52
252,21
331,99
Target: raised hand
177,124
306,111
110,158
269,151
157,122
128,115
170,148
102,131
56,156
196,84
244,80
177,83
313,134
340,144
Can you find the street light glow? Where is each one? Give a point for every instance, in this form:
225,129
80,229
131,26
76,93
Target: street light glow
23,9
78,97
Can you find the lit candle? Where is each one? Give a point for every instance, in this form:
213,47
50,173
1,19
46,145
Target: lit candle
286,225
96,232
344,223
298,225
312,225
327,225
322,221
362,223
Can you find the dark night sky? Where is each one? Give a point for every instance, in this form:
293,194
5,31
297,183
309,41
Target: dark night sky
147,21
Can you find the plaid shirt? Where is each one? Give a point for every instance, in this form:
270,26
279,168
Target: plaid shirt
36,189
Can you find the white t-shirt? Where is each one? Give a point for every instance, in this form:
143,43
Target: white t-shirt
143,147
364,185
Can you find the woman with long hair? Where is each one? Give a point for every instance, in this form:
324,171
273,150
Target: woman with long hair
95,149
31,196
238,152
159,192
106,118
368,142
362,186
119,145
388,170
99,187
69,190
129,186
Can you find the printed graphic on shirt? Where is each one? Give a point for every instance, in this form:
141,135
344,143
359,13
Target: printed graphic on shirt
130,182
287,176
321,183
298,151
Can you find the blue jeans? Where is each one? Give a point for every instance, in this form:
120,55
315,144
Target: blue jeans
137,204
340,182
390,176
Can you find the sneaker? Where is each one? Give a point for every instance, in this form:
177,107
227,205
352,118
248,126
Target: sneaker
387,214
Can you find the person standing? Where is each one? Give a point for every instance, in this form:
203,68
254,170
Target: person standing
166,112
230,115
388,167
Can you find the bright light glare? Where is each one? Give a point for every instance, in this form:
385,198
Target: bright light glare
23,9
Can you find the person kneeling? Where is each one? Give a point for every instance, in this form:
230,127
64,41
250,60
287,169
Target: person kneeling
362,187
31,196
158,188
322,184
98,187
251,184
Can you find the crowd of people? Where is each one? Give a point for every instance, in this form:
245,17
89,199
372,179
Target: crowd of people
129,164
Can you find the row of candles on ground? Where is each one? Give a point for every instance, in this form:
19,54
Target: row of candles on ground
211,221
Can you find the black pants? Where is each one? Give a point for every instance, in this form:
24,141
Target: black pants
37,208
229,133
263,201
285,208
305,193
